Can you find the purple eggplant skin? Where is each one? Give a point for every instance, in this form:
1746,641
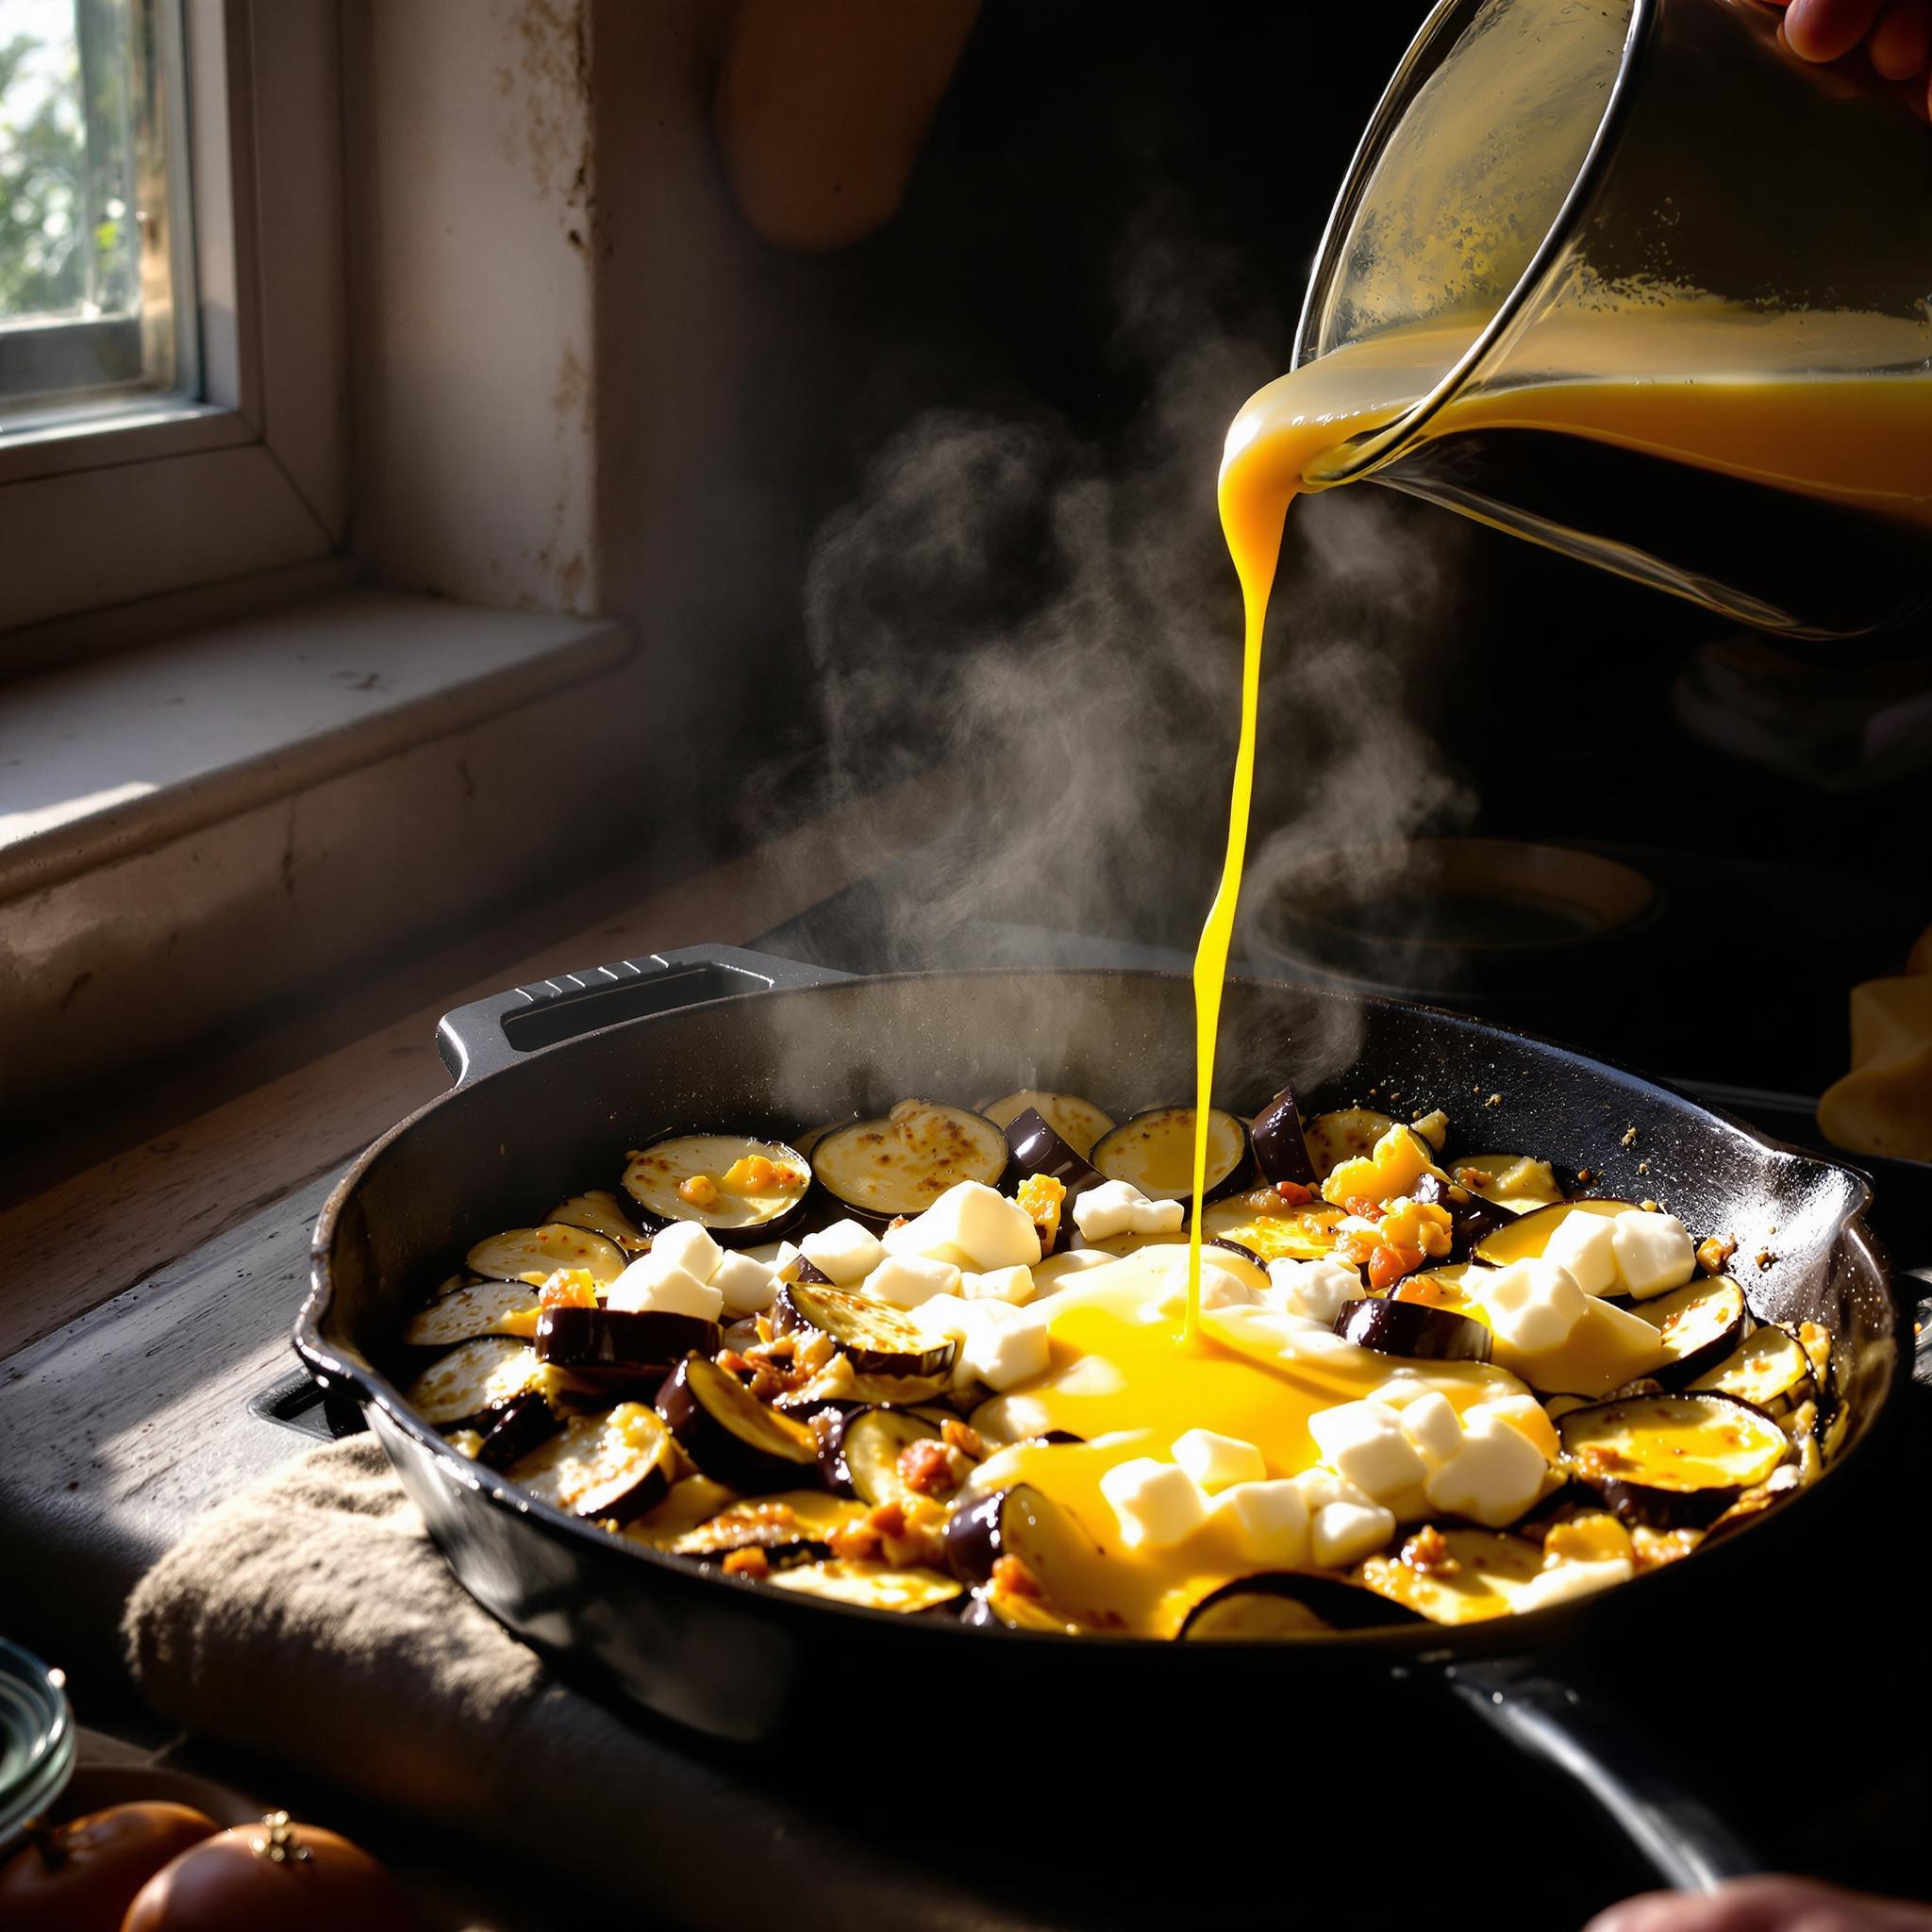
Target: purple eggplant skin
812,1275
1221,1241
1470,1218
699,1403
605,1344
1640,1505
1037,1148
1280,1152
1413,1330
522,1426
1337,1604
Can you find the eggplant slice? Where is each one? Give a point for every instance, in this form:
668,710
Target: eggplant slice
1700,1323
861,1450
1288,1603
870,1585
478,1308
611,1346
600,1211
611,1466
1673,1461
1515,1182
1281,1149
1155,1152
1414,1330
1271,1229
793,1522
742,1190
876,1338
472,1381
1078,1122
731,1436
1769,1370
1484,1572
1022,1521
903,1162
521,1427
1349,1133
534,1254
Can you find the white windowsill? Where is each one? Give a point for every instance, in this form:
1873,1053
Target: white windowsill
121,754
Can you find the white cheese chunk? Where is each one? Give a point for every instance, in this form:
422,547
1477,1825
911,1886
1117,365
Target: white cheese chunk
907,1280
1315,1290
1344,1533
1655,1253
1056,1271
846,1252
1270,1521
1533,1306
1583,1245
1014,1284
973,1221
1321,1487
1497,1475
689,1245
1218,1290
747,1286
1003,1344
1363,1442
1116,1207
1431,1424
654,1281
1156,1503
1217,1461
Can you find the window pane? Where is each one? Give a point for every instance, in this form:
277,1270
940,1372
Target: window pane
87,286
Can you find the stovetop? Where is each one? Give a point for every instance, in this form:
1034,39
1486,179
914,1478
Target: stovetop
117,1431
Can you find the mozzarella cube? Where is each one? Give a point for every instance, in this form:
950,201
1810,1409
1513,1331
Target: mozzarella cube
1116,1207
747,1286
655,1282
1156,1503
1014,1284
1218,1290
1003,1345
1655,1253
975,1220
1057,1271
1218,1462
1527,1417
845,1252
1431,1424
1494,1478
784,1261
688,1245
1315,1290
1583,1245
1363,1442
1533,1306
1343,1533
907,1280
1270,1521
1321,1487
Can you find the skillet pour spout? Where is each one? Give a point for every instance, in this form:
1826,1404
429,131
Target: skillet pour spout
714,1034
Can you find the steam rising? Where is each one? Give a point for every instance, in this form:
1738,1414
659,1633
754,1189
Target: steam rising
1050,626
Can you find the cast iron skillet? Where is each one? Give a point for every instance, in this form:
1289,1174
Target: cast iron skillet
542,1107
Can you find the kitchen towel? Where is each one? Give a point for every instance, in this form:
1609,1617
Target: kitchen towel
311,1620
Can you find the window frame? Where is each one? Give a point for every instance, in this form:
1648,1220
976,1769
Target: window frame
254,475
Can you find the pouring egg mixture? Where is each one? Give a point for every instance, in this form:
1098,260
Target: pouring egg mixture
937,1363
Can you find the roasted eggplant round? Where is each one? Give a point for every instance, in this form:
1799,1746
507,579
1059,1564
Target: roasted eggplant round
875,1336
1288,1603
731,1436
902,1163
600,1211
606,1346
535,1254
859,1450
1414,1329
478,1308
1700,1323
1078,1122
1155,1152
611,1466
1672,1462
1349,1133
743,1190
1281,1149
466,1387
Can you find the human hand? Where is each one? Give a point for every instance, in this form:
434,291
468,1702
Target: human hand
1895,34
1764,1905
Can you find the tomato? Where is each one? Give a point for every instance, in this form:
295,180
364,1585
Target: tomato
274,1874
80,1876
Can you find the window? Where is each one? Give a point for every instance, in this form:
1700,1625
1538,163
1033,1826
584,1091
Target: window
96,276
172,409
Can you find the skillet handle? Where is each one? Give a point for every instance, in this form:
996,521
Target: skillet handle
1690,1847
493,1033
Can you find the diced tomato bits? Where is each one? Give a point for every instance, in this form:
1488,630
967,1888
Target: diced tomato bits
1366,1206
1388,1265
568,1288
1295,1193
699,1189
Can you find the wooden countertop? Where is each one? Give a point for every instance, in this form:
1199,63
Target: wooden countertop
220,1140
